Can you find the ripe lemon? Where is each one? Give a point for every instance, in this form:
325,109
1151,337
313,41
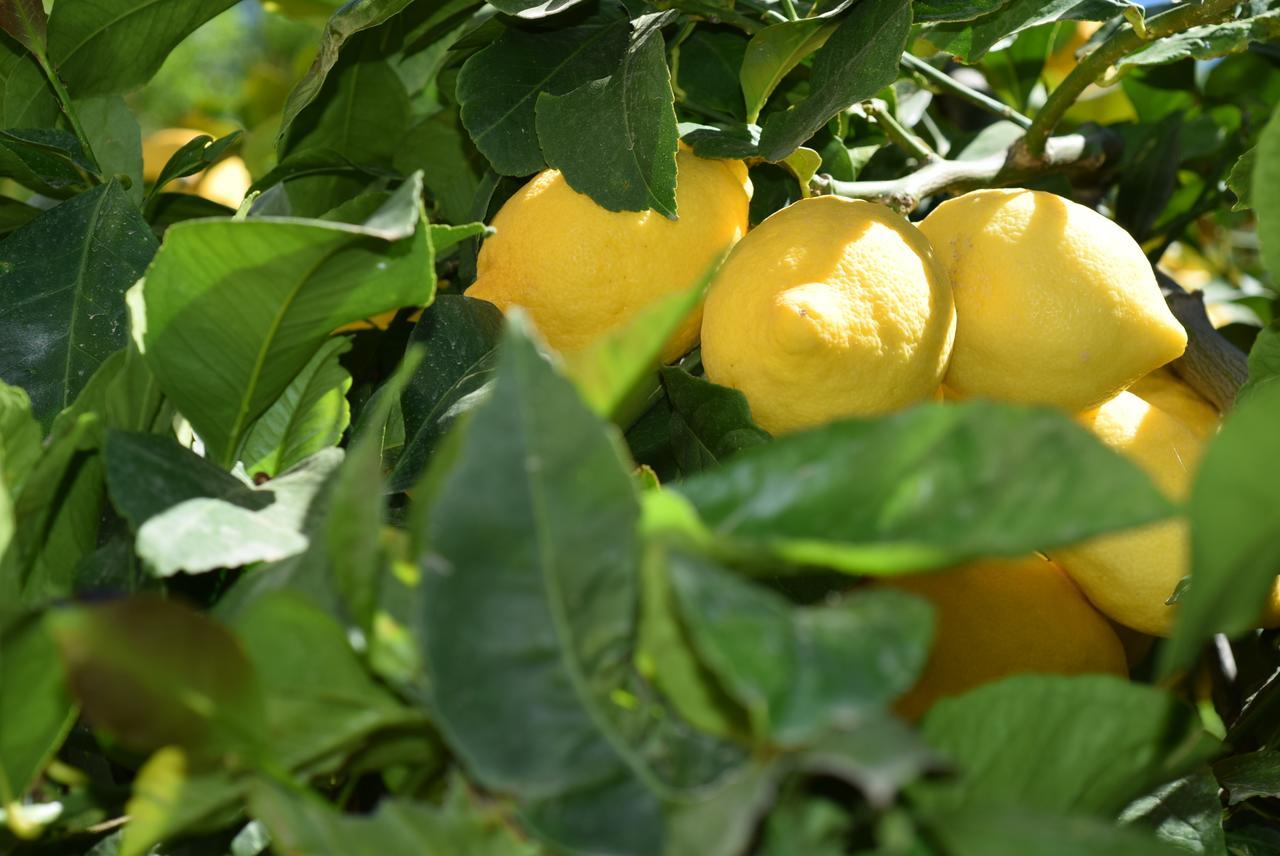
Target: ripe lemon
226,182
580,270
1130,575
1165,390
830,308
1055,304
997,618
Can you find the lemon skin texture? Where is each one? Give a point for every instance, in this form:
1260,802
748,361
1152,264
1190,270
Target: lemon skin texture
580,270
995,618
1165,390
830,308
1130,575
1055,304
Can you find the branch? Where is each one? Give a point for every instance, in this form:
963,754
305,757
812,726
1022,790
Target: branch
898,135
1072,152
949,84
1122,43
1211,365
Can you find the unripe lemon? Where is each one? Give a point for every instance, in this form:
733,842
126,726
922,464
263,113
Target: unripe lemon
1130,575
1055,304
997,618
830,308
581,270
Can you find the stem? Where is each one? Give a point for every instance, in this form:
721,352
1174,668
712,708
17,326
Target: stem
899,135
790,9
949,84
1124,42
64,101
1211,365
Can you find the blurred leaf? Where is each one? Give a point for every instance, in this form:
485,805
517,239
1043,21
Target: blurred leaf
499,85
235,309
20,436
1264,361
26,100
306,826
631,164
1015,70
940,11
1256,838
62,284
116,140
858,60
1235,532
460,335
708,422
1240,180
1266,193
723,821
985,831
198,154
774,51
15,215
879,756
34,706
1186,812
970,40
26,21
1253,774
936,485
801,671
114,46
1207,42
155,673
1082,744
311,414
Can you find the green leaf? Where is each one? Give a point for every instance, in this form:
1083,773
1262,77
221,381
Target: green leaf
1186,813
940,11
774,51
50,161
984,831
1082,744
936,485
970,40
27,22
460,335
1240,180
439,147
879,756
858,60
1266,192
26,99
62,312
631,164
534,9
724,821
709,423
1264,361
1207,42
1253,774
1235,531
801,671
300,824
116,140
34,706
198,154
20,436
311,414
705,69
114,46
499,85
130,664
235,309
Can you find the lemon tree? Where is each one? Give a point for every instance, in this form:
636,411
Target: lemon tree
682,428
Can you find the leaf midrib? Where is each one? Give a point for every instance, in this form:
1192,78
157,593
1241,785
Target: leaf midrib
81,272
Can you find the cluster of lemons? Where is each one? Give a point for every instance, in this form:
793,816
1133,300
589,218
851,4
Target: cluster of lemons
833,308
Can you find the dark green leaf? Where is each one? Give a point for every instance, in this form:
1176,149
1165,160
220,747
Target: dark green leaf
709,423
939,11
774,52
1266,193
1240,180
1186,812
858,60
1207,42
235,309
534,8
706,67
631,164
26,99
198,154
34,706
15,215
311,414
132,665
1235,531
499,86
1254,774
26,21
970,40
451,170
801,671
62,284
732,141
50,161
460,335
937,484
114,46
1149,175
983,831
1083,744
1254,838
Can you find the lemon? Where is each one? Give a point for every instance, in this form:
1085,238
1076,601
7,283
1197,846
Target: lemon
1165,390
226,182
161,145
1055,304
1130,575
581,270
830,308
996,618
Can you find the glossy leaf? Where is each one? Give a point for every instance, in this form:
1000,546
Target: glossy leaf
534,8
858,60
109,47
773,52
938,11
632,164
1186,813
1249,775
937,484
50,161
970,40
35,709
199,153
1207,42
235,309
709,423
62,284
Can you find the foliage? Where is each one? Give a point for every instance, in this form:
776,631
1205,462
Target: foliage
303,550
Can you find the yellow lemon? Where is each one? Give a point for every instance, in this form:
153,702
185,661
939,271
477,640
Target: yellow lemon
830,308
226,182
1130,575
1165,390
1055,304
997,618
580,270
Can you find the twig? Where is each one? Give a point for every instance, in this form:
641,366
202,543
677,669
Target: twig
899,135
1124,42
949,84
790,9
64,101
1211,365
